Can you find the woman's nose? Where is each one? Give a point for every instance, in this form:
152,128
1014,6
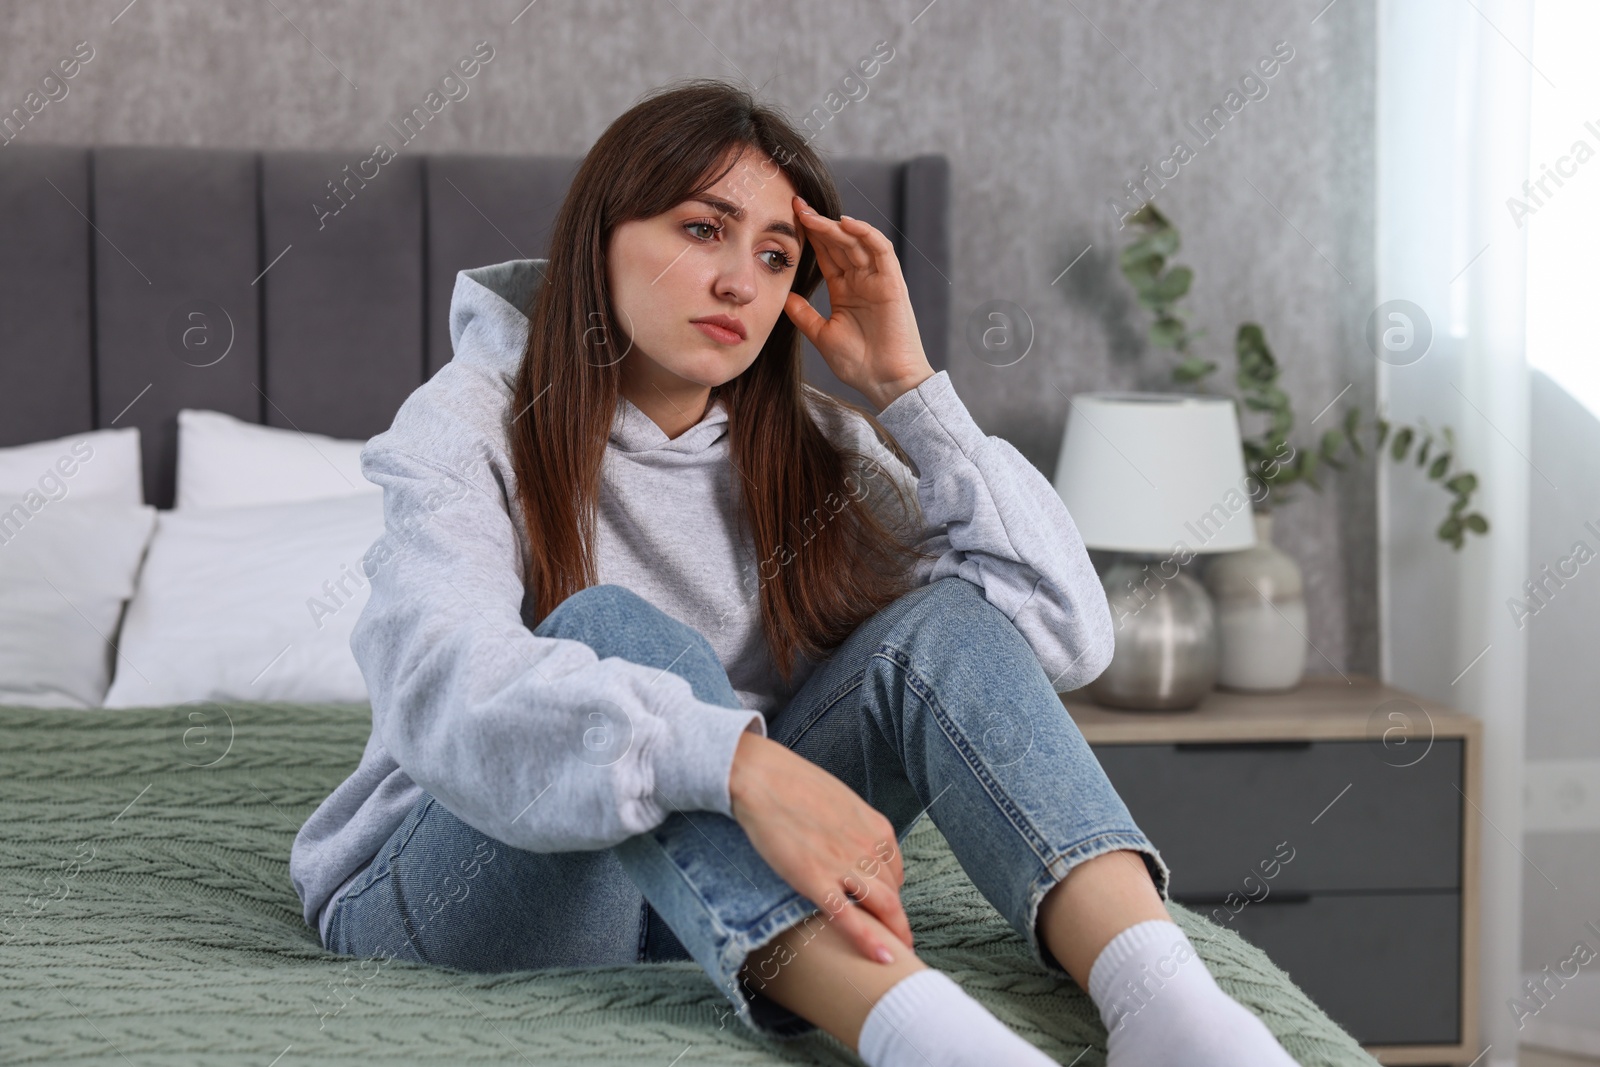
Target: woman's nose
736,279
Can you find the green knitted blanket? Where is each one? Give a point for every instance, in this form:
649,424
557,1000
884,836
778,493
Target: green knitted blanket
147,918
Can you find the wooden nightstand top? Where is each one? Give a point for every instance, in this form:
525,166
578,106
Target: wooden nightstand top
1321,708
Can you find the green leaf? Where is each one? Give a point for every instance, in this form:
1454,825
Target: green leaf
1156,246
1175,283
1143,273
1282,420
1256,364
1402,443
1142,269
1477,523
1383,431
1422,453
1193,369
1352,422
1142,281
1164,241
1150,217
1166,332
1440,465
1144,215
1450,529
1330,443
1463,483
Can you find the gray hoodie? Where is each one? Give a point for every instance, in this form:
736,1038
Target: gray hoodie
470,706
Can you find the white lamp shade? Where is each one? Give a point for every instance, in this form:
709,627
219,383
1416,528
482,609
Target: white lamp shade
1155,472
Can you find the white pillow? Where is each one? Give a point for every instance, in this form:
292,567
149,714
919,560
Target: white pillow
95,463
224,462
64,578
252,603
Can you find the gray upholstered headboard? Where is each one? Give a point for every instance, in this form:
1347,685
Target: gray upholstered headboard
107,255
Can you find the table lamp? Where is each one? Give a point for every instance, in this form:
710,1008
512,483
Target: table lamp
1158,478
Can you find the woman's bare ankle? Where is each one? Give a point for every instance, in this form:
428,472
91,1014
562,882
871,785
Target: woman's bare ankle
1098,899
816,972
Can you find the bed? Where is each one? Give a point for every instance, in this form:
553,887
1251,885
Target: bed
148,915
162,927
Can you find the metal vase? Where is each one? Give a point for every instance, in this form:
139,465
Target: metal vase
1166,634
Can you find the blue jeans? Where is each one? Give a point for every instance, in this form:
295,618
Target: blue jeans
935,704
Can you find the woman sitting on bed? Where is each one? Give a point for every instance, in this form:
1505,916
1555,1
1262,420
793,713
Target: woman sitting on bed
667,650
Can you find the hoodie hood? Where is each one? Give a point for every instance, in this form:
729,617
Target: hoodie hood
487,325
489,329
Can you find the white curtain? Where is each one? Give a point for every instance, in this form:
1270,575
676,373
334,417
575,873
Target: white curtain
1453,117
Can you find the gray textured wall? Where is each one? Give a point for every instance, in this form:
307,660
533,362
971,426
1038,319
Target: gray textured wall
1044,108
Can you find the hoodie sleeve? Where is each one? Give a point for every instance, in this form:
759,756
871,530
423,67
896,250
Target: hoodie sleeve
535,741
993,519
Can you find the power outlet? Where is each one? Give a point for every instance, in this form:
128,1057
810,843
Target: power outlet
1561,795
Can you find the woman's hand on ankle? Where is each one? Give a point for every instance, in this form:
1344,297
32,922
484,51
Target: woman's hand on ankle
831,846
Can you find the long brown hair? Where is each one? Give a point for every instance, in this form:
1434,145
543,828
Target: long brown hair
795,483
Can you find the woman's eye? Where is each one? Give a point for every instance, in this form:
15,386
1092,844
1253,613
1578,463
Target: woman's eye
778,266
784,262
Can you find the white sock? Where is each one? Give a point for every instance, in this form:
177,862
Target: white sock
927,1020
1161,1006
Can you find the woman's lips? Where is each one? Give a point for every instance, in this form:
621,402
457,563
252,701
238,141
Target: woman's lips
718,333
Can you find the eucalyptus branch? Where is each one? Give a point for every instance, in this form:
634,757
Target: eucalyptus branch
1145,263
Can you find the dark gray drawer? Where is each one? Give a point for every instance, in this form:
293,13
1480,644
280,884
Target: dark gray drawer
1385,966
1221,813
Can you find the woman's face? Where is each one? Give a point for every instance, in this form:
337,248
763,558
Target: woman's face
730,253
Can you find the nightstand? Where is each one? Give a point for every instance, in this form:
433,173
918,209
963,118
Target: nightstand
1334,826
